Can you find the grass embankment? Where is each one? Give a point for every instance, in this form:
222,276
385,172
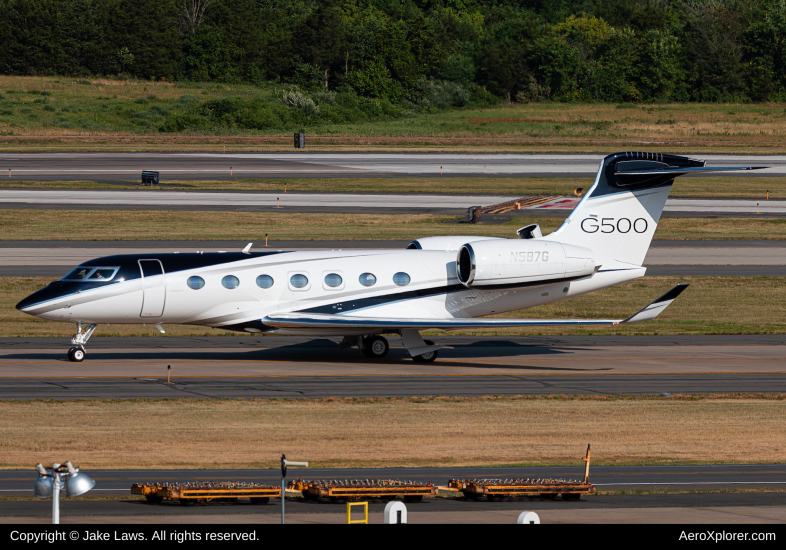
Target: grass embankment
712,305
59,114
432,431
154,225
722,187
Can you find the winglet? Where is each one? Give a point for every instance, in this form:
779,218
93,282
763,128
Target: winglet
655,308
247,249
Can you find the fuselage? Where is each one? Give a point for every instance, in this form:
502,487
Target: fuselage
236,291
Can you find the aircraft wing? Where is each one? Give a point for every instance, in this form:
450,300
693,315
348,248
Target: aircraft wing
317,320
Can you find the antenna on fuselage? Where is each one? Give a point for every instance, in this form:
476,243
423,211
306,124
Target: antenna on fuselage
247,249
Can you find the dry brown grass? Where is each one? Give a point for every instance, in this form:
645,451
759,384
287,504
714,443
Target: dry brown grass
393,432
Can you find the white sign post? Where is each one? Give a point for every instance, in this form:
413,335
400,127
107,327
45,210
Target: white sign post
284,464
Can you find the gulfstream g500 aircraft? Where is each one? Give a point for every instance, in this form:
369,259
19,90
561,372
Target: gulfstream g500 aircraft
437,282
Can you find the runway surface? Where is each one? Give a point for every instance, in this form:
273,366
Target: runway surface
278,367
342,202
605,478
173,166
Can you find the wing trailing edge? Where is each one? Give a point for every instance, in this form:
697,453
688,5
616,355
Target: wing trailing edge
317,320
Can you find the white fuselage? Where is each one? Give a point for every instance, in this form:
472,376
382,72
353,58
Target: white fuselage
433,290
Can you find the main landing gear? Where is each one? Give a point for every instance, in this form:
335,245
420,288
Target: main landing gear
377,347
83,333
427,357
374,347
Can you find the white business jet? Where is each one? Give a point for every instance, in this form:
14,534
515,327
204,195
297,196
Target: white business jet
436,283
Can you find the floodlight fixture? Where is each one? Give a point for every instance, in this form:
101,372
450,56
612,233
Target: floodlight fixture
44,487
53,480
78,484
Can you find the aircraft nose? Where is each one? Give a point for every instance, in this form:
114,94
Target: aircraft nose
47,293
27,302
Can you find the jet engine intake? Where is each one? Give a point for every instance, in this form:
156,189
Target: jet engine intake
503,262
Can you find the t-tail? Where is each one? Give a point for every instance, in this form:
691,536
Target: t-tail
618,216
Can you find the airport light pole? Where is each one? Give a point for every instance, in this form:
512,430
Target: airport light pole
50,482
284,464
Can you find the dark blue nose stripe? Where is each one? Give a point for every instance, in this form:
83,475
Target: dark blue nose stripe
129,270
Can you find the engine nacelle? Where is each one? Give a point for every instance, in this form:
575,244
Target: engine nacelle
503,262
448,244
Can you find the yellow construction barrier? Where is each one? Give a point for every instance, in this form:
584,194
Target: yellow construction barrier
350,521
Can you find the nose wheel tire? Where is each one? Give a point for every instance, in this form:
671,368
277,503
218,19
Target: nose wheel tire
76,355
426,357
375,347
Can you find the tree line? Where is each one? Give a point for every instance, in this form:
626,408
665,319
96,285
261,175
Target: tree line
443,52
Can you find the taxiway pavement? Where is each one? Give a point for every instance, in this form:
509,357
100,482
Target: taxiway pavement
735,508
159,199
71,256
664,258
277,367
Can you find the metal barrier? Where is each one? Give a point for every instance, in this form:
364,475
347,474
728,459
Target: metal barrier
350,521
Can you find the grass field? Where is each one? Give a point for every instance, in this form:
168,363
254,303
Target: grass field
59,114
722,187
712,305
434,431
121,225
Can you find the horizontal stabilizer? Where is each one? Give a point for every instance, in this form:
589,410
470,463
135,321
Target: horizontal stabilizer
317,320
682,171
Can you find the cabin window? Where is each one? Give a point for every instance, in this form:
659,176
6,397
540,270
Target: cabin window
195,283
298,280
401,279
230,282
264,281
333,280
367,279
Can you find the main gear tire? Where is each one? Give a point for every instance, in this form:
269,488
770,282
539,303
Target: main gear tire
375,347
429,357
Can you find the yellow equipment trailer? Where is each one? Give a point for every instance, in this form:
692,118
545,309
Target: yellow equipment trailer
354,489
497,489
198,493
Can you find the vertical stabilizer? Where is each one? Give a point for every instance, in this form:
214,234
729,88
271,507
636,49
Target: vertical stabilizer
618,216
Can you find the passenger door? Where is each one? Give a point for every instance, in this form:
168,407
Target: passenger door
153,288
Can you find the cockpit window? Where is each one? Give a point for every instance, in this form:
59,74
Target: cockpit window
94,274
78,274
102,274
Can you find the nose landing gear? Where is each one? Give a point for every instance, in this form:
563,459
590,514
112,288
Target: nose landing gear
83,333
76,355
